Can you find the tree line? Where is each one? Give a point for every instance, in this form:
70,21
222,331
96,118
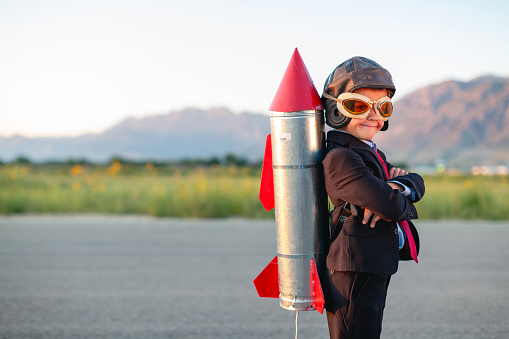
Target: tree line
226,160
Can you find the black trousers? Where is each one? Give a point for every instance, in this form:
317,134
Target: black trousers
355,303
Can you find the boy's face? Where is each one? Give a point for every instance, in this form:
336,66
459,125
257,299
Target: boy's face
365,129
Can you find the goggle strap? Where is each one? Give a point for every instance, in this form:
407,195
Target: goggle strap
330,97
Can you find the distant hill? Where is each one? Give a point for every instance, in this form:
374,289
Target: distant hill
461,123
190,133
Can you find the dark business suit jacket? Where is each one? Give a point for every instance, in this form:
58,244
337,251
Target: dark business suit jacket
355,175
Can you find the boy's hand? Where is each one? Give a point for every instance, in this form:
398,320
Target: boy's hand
395,172
367,215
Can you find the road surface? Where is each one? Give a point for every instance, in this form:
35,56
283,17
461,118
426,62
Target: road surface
141,277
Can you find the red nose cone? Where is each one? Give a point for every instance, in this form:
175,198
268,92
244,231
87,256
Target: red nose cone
296,91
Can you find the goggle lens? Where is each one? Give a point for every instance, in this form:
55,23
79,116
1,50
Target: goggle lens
357,106
386,109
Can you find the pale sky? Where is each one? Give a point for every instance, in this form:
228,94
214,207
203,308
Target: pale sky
71,67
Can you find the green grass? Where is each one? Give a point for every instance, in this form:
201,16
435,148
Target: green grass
212,192
465,197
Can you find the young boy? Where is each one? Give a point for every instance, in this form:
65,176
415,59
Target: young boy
372,199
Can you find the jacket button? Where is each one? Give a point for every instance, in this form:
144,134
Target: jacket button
396,231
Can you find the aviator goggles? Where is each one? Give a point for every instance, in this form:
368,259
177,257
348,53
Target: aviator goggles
355,105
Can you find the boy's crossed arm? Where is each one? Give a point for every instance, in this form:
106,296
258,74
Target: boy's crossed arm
393,172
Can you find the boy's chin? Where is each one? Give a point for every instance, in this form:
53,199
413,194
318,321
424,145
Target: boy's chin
365,135
362,132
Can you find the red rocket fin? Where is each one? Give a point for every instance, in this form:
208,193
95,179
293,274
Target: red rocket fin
296,91
267,282
267,183
319,301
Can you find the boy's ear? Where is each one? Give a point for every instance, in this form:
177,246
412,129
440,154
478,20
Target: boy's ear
333,117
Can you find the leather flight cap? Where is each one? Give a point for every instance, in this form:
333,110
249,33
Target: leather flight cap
349,76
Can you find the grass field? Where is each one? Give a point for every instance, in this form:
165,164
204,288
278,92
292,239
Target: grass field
210,192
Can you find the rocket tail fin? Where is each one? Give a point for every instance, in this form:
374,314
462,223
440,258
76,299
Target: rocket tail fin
267,282
267,183
319,301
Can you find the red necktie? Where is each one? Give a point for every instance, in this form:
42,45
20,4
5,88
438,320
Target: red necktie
403,223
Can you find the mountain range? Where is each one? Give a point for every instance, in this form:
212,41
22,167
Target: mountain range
189,133
458,123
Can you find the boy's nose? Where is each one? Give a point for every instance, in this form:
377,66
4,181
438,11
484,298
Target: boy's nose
372,114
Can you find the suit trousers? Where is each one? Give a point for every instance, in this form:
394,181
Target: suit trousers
355,303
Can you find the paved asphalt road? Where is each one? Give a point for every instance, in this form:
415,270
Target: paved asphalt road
138,277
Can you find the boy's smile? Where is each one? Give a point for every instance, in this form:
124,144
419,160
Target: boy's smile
365,129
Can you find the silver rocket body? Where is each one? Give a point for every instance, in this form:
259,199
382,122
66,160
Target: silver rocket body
298,146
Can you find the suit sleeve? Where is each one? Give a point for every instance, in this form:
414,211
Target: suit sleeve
413,181
348,179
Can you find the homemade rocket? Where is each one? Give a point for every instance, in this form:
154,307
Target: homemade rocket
292,182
